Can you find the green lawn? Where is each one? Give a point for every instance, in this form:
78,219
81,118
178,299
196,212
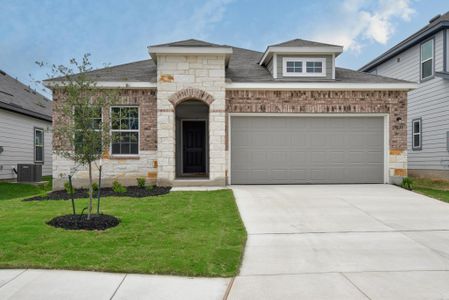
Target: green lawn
438,189
15,190
184,233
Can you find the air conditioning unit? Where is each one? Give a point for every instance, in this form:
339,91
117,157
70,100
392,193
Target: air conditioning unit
29,173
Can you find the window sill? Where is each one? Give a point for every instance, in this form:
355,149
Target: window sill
118,157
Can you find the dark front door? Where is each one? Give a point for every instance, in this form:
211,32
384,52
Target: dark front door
194,146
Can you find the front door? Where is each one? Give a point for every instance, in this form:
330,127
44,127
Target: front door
194,147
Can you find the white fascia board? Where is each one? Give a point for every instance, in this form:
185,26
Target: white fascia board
320,86
109,84
302,50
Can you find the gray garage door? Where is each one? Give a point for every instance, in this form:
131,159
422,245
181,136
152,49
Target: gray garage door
291,150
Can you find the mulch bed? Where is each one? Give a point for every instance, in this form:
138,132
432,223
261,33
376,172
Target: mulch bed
132,191
80,222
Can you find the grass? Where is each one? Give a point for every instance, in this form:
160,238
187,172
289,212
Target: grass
438,189
10,190
183,233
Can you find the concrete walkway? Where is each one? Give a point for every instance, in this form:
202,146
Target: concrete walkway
67,285
342,242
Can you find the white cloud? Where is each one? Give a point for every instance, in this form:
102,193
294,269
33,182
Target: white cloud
202,21
359,21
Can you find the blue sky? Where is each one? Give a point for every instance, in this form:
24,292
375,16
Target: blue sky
118,31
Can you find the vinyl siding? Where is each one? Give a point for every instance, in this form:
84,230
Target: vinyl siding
17,140
430,101
329,67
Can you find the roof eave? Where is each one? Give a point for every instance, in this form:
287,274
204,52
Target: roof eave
336,50
155,50
399,49
25,112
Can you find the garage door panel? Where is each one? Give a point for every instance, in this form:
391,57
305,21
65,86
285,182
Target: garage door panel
288,150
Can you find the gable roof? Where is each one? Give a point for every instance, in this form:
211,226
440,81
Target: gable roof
243,67
302,43
16,96
435,24
189,43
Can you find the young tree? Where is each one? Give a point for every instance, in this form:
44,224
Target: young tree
83,133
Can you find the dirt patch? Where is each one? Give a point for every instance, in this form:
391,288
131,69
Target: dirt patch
80,222
132,191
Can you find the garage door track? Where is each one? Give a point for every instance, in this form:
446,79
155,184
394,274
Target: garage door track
342,242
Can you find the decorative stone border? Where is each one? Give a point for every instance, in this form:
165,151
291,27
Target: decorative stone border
191,94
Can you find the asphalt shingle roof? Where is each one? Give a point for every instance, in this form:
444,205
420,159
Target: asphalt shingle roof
18,97
302,43
243,67
189,43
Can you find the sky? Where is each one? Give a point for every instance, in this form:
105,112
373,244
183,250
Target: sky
116,31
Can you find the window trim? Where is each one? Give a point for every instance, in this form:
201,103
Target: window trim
34,144
419,147
304,61
120,130
432,39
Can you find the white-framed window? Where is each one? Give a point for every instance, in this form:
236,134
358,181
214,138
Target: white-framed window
304,66
96,122
427,59
417,134
38,145
125,130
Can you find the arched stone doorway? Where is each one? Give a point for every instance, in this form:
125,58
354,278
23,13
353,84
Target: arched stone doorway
192,139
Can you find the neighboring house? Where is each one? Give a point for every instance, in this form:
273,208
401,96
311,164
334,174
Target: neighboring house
205,114
423,58
25,128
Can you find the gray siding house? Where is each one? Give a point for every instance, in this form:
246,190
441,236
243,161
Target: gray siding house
25,128
423,58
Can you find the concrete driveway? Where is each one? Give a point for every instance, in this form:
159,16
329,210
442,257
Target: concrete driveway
342,242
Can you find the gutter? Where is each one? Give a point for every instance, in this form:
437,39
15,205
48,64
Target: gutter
25,112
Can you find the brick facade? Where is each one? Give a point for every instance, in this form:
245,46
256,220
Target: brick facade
391,102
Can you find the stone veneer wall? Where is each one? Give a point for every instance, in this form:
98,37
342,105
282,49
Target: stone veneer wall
392,102
184,77
123,169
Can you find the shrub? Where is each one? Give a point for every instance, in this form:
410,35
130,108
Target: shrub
407,183
69,189
141,182
95,187
150,187
118,188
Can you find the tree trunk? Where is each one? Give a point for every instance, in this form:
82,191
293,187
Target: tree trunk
89,210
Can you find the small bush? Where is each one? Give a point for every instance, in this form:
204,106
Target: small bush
118,188
407,183
141,182
95,187
150,187
69,189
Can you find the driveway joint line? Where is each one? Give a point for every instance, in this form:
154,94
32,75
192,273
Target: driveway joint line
346,272
12,279
442,255
347,231
354,285
228,289
118,287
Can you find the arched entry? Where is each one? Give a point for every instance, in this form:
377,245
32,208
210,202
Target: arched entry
192,139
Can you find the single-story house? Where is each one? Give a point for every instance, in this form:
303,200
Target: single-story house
25,128
208,114
423,58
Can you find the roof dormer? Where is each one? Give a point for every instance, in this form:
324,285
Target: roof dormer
301,59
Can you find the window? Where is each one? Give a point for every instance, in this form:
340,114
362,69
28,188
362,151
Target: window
302,66
427,59
96,121
294,66
417,134
314,67
125,130
38,145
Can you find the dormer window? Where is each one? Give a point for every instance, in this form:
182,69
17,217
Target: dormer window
304,66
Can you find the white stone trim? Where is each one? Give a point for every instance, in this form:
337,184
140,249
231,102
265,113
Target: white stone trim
311,115
320,86
301,50
108,84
